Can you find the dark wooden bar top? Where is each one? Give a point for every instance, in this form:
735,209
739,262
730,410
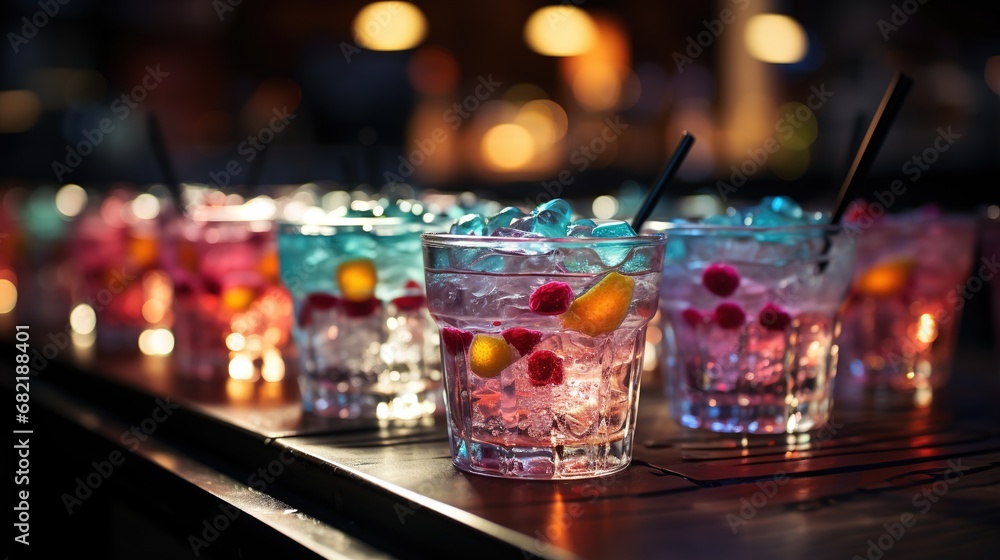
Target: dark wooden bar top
886,479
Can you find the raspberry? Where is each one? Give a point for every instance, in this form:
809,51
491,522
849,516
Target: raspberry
316,302
693,317
524,340
545,368
455,339
729,315
414,298
361,308
552,298
720,279
409,303
774,318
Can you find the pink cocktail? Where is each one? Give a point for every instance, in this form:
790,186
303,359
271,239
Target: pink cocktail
901,320
232,315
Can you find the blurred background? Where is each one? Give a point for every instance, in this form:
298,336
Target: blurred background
513,102
500,99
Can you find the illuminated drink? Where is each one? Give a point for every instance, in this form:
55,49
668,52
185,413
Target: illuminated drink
902,318
749,316
232,315
119,290
543,325
367,346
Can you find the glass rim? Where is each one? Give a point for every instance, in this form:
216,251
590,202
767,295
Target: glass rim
665,227
446,240
367,224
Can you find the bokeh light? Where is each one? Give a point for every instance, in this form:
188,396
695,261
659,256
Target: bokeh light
776,39
83,319
389,26
71,200
560,31
8,296
508,146
156,342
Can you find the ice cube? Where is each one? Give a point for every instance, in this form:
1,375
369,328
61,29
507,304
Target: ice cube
502,219
613,228
559,208
581,228
469,224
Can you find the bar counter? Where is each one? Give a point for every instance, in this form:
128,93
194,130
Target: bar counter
133,459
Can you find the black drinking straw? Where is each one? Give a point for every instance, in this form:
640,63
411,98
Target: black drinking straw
159,145
654,194
886,113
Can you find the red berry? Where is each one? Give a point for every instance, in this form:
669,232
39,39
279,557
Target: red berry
409,303
497,323
774,318
552,298
413,285
524,340
322,302
693,317
545,368
729,315
361,308
455,340
316,302
720,279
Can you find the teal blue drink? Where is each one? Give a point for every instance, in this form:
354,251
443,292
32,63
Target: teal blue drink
366,345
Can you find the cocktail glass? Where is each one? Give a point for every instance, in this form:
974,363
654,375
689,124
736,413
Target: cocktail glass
232,315
542,345
367,346
749,319
119,290
901,321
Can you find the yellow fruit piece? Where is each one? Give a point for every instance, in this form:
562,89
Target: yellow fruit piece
489,355
238,298
602,308
886,278
143,251
356,279
268,267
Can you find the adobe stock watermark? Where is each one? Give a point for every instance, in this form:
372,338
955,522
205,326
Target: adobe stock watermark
558,526
913,168
768,488
582,157
899,14
122,107
786,127
224,7
922,502
251,147
213,527
454,116
961,294
30,26
695,45
102,470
